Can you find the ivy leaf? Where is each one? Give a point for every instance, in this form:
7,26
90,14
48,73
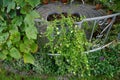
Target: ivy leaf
11,5
34,47
12,14
28,46
33,3
2,56
30,29
21,3
17,21
1,18
29,19
26,9
31,32
34,14
28,58
15,53
3,37
9,43
14,36
6,3
5,52
2,28
24,48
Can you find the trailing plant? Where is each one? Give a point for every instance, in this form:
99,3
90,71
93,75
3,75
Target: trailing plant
17,31
69,42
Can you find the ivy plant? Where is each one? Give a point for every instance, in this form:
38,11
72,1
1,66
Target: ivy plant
18,33
69,42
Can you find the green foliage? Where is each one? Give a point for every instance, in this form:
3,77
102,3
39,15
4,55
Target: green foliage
6,75
111,4
15,53
102,64
2,56
18,33
70,42
114,33
28,58
117,7
18,40
30,30
105,62
43,64
33,3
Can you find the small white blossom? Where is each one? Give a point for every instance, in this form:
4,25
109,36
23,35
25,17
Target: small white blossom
58,33
18,7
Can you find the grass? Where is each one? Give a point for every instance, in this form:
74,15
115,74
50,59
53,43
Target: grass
4,75
11,76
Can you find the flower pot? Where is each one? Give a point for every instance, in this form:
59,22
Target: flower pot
98,6
53,0
45,1
110,12
64,1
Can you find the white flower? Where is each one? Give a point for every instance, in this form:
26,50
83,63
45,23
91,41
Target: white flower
71,31
18,7
58,33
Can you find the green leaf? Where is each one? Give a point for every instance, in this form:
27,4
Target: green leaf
5,52
21,3
15,53
2,28
33,3
3,37
12,14
2,56
26,9
34,14
31,32
50,31
28,46
30,29
28,58
34,47
17,21
1,3
9,43
14,36
25,48
11,5
1,18
6,3
29,19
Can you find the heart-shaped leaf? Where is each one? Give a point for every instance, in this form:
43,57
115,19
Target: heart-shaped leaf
15,53
28,58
